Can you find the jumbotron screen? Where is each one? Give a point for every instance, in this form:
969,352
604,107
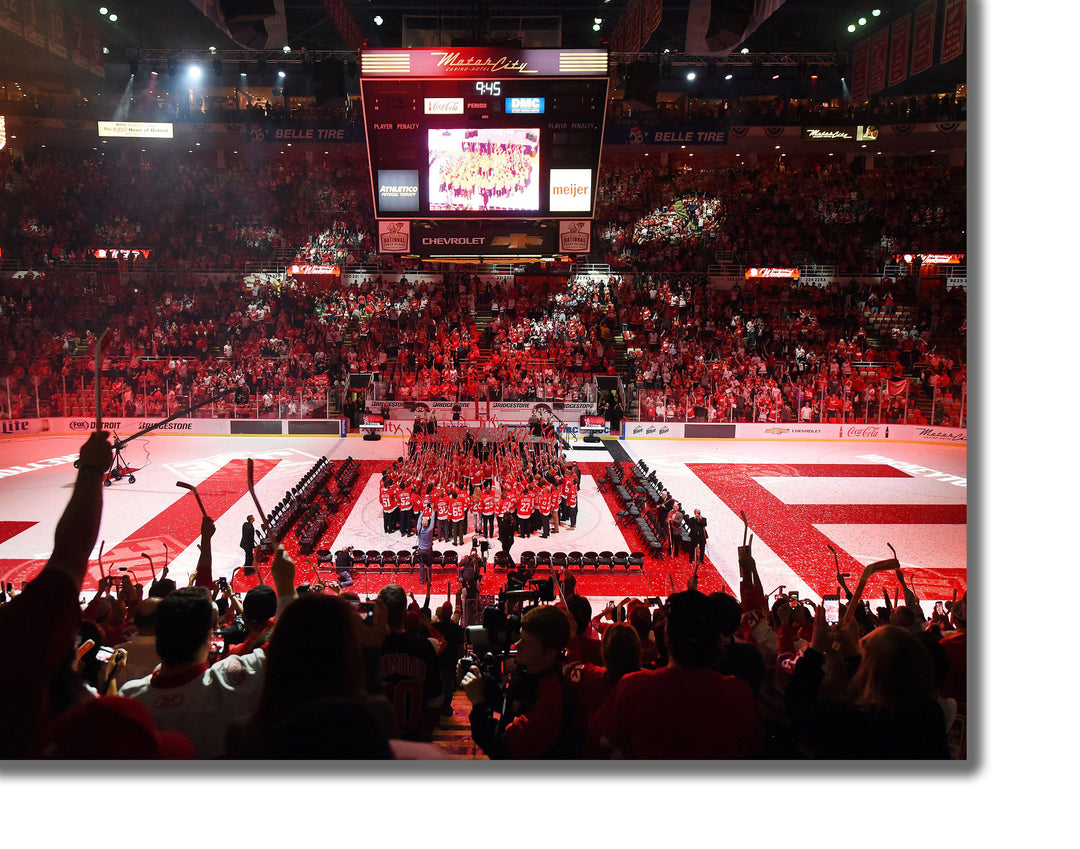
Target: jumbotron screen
484,132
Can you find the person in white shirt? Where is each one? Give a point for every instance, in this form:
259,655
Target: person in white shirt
185,693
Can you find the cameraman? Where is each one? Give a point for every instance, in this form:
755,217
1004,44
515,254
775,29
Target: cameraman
535,710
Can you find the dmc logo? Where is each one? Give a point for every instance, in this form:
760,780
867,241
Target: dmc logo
868,432
776,430
14,427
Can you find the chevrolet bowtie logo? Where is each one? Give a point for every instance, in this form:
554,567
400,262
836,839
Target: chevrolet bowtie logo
516,241
776,430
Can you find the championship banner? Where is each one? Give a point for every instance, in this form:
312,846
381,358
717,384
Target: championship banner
33,22
922,41
899,49
9,16
80,41
57,30
860,70
952,30
879,58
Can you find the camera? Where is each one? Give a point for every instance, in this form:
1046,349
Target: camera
223,584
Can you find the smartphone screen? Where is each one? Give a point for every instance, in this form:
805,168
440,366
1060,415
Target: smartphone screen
104,653
831,603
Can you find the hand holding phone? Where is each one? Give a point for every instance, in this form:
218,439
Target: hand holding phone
831,604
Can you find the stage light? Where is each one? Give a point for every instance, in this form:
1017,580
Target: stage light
378,20
851,28
286,49
728,76
862,22
596,27
194,72
112,18
103,10
212,49
690,75
243,69
876,13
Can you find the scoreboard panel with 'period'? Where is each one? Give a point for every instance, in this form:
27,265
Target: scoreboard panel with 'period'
484,132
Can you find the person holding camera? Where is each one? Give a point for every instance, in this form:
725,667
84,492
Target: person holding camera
536,712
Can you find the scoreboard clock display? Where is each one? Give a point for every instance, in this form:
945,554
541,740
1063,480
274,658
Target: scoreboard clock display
484,132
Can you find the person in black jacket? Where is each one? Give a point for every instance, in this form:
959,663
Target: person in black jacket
247,543
696,526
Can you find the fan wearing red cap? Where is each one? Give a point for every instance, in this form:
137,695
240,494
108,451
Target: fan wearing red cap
112,728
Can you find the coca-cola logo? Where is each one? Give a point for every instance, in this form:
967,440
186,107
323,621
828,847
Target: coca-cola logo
865,432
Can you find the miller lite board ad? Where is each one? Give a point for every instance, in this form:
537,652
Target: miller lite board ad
484,132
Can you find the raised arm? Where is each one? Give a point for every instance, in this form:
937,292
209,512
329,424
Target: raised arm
73,542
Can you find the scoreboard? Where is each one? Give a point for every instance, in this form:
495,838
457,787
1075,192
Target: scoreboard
484,132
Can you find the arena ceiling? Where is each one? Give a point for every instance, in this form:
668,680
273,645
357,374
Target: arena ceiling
798,26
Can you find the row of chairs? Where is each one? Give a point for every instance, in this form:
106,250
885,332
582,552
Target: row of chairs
283,514
388,561
583,561
635,510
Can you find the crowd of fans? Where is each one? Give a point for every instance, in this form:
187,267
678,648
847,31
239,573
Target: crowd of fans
287,345
763,109
167,672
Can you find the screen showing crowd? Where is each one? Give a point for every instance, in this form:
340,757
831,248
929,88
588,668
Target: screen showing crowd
484,169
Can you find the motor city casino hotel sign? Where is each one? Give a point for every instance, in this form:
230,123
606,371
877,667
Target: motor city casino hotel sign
477,238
